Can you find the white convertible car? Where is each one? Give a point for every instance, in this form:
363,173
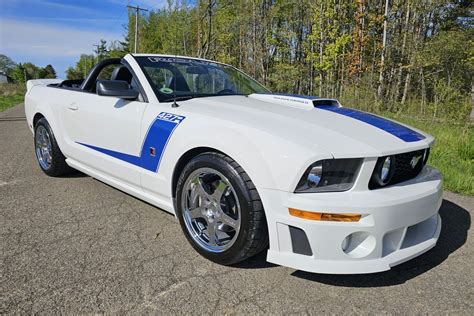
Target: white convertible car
322,187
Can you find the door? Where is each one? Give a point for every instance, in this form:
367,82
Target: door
104,134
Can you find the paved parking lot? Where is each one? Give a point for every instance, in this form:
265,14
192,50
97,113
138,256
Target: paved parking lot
74,244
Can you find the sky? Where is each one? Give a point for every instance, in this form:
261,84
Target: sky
57,32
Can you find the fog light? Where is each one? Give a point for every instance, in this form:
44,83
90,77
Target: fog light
332,217
345,243
358,244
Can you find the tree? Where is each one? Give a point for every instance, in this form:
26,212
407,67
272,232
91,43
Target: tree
18,74
6,64
384,55
50,72
82,67
101,50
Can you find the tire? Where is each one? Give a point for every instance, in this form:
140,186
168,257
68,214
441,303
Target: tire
214,194
49,156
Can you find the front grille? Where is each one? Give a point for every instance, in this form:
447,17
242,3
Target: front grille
404,166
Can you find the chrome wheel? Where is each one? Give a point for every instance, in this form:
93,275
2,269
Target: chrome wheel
211,210
43,147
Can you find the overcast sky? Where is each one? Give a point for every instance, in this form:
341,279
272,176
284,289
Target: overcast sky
56,32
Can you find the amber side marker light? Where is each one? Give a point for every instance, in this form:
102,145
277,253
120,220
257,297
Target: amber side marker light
325,216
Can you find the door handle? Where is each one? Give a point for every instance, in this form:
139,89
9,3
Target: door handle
73,106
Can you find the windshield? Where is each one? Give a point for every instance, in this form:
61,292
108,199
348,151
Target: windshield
190,78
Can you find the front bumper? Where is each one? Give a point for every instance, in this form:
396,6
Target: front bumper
399,223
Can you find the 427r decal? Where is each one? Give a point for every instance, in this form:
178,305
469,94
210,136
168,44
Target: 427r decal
154,144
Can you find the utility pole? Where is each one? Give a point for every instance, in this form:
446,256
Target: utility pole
137,12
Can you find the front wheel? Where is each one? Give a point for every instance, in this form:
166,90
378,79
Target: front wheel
220,210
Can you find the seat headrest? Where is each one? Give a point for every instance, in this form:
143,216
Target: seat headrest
121,73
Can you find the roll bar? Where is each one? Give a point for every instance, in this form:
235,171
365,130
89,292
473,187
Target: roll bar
94,73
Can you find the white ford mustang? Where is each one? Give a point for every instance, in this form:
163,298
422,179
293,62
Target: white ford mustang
323,187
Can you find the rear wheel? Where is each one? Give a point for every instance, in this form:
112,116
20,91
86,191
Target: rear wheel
49,156
219,209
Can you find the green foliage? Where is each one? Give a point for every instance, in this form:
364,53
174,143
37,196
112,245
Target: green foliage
330,48
448,57
50,73
86,62
101,50
18,74
21,72
11,94
82,68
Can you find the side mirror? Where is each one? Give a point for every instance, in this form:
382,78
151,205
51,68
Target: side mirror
116,88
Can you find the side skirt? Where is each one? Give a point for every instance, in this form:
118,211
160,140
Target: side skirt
161,203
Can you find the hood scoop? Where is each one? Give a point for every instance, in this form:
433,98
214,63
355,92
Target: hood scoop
296,100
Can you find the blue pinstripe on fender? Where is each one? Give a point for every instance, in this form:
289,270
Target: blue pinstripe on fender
157,137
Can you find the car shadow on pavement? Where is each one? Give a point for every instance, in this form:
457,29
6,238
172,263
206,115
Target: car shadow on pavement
456,224
75,174
258,261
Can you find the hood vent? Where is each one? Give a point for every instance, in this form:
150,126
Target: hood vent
326,102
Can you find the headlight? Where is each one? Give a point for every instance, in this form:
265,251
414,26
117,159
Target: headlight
329,175
384,170
315,174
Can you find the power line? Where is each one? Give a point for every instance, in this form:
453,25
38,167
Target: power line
137,12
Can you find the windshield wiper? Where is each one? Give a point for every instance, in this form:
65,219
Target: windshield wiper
188,97
180,98
201,95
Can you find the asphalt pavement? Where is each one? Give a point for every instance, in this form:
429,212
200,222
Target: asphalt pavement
74,244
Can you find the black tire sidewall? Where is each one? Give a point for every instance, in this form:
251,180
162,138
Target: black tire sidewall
237,251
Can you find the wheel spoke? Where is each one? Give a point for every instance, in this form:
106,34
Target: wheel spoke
43,136
199,188
211,232
196,212
229,221
220,190
48,158
194,195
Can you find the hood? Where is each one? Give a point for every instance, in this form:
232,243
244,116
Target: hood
321,124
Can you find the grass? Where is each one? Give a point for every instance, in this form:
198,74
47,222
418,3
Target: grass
10,95
452,153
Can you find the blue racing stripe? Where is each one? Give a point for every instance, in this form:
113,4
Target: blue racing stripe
134,160
156,139
404,133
